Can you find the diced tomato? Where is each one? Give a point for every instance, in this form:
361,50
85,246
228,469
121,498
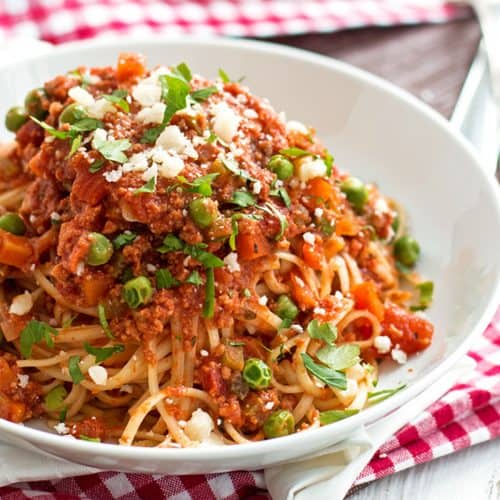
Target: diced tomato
302,294
413,333
211,379
313,255
130,66
88,187
366,297
251,243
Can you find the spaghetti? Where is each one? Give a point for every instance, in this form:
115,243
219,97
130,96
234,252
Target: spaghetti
180,265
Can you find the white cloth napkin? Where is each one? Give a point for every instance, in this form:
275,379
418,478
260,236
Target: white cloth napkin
327,475
330,474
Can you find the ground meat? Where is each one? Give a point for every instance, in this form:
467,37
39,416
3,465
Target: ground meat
256,407
90,427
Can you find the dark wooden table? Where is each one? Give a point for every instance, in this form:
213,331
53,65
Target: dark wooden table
430,61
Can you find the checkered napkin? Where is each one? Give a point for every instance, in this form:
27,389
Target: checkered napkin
65,20
468,414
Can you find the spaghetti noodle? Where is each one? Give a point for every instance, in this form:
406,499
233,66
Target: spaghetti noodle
180,265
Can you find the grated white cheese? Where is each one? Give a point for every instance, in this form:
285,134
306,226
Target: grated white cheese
262,300
55,216
250,113
310,167
152,114
99,108
199,426
226,122
382,343
269,405
151,268
295,126
151,172
98,374
22,380
81,96
309,238
297,328
147,92
172,166
318,212
61,428
113,175
174,141
231,261
338,295
182,423
204,353
21,304
319,310
257,187
139,161
399,356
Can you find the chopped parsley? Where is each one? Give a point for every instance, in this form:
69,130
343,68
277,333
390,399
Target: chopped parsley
83,437
75,144
233,167
149,187
328,159
74,369
329,376
204,93
112,150
103,353
272,210
283,194
295,152
123,239
97,165
201,185
243,199
182,70
322,331
339,358
209,303
172,243
330,416
54,398
194,279
164,279
33,333
382,395
118,98
426,291
101,313
224,76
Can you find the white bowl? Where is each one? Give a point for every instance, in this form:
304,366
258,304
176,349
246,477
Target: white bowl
377,132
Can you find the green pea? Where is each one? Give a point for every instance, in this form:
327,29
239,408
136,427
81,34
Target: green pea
54,398
137,291
203,211
256,373
356,192
279,423
12,223
286,308
406,250
281,166
100,251
71,114
15,118
33,103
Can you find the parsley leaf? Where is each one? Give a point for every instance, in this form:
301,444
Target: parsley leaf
96,165
328,159
58,134
209,260
426,290
204,93
243,199
103,353
75,144
112,150
209,303
33,333
123,239
83,437
330,416
224,76
74,369
339,358
295,152
54,398
118,98
330,377
382,395
272,210
164,279
149,187
194,278
86,125
182,70
171,243
201,185
101,313
233,167
234,232
324,331
283,194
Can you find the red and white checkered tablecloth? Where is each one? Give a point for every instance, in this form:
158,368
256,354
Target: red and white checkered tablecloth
65,20
466,415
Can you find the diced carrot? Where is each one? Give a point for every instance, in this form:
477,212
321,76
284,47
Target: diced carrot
366,297
130,66
12,326
319,188
7,375
252,244
94,287
14,250
11,410
314,255
333,246
302,294
346,226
